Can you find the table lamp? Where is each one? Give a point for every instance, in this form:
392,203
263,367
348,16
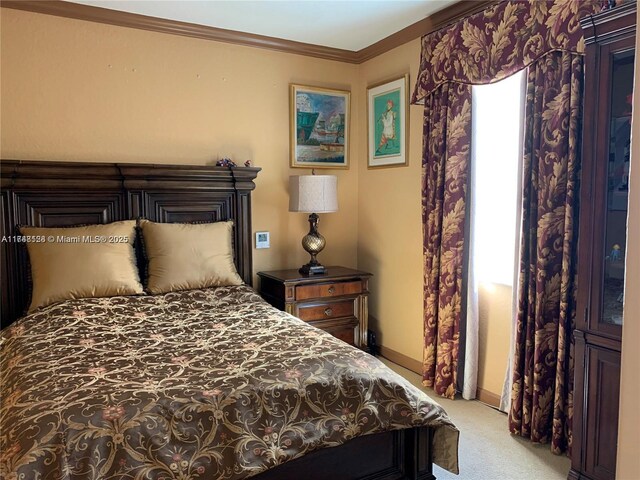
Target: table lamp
313,194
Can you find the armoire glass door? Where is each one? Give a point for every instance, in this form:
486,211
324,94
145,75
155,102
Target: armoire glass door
615,218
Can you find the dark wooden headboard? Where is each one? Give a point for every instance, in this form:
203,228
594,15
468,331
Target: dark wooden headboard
50,194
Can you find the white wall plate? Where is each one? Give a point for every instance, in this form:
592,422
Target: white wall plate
262,240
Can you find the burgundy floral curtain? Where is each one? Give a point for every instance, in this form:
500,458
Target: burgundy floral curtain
542,393
485,48
447,129
506,38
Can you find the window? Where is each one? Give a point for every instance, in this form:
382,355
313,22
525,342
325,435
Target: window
498,110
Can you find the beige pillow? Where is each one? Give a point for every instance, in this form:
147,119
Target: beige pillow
185,256
82,262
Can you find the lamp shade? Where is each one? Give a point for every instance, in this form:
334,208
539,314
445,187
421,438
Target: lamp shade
313,193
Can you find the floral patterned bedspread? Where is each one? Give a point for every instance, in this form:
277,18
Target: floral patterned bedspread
203,384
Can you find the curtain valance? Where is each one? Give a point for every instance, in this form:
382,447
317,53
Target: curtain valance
503,39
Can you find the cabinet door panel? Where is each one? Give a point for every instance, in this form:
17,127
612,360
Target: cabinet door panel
611,193
603,389
604,187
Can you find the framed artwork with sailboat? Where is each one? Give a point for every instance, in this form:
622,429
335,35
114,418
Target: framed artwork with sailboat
319,124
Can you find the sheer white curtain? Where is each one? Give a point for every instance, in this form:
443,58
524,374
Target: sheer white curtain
470,381
505,398
497,122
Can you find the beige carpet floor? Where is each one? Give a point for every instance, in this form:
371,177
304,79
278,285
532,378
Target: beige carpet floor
487,450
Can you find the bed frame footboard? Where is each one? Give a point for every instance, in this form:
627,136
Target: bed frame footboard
395,455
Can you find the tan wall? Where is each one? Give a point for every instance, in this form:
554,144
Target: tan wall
389,219
74,90
390,240
628,467
494,336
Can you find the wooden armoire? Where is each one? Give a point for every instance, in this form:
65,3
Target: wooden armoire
609,68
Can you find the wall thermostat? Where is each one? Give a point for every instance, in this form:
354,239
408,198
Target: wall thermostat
262,240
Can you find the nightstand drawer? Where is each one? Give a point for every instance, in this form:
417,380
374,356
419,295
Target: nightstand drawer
326,310
327,290
344,333
342,328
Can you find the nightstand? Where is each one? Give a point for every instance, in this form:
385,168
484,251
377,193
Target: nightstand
336,301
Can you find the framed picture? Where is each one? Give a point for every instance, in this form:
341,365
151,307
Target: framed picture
319,127
387,122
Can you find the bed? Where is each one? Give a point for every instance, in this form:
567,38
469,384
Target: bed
203,383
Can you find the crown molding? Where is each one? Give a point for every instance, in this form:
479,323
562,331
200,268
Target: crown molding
143,22
162,25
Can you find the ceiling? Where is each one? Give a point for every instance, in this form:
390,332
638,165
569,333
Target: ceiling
346,24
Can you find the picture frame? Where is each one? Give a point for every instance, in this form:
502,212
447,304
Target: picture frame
387,123
319,127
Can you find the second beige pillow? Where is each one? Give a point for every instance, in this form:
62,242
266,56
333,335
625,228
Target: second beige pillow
185,256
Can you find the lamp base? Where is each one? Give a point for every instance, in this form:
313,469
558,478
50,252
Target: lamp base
309,269
313,243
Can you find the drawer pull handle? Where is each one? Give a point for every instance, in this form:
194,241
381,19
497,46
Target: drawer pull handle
328,312
331,290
